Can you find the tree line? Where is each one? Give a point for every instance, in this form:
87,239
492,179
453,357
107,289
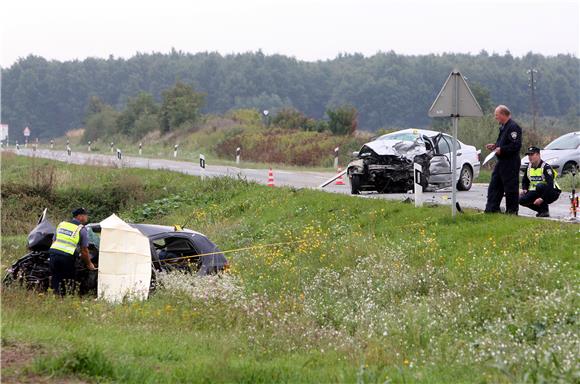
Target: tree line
386,90
180,109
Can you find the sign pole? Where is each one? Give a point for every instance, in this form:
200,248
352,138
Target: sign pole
453,148
455,100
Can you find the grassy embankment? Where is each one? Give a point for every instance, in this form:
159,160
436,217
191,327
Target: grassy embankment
379,292
217,137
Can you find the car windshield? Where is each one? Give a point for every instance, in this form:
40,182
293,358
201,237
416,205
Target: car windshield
565,142
94,238
403,136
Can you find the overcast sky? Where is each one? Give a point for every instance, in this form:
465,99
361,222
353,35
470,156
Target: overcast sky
306,29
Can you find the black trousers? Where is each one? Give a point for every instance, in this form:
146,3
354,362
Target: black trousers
549,195
504,181
62,270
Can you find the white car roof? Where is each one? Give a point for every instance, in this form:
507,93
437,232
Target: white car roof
414,131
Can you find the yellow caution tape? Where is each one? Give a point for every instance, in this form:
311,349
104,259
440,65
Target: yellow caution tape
233,250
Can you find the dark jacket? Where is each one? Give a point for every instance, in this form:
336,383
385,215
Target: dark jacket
509,140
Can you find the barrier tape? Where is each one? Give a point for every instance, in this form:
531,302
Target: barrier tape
233,250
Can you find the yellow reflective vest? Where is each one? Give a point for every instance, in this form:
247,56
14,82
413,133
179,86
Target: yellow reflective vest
536,176
67,237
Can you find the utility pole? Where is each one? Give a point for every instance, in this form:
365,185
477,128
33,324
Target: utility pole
532,84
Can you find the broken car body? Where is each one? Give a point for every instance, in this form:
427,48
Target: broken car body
385,165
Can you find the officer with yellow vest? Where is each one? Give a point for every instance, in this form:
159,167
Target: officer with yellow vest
538,184
69,235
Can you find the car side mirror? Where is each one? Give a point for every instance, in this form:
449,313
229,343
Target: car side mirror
355,154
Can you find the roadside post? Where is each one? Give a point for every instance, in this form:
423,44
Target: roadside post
418,173
140,149
202,165
17,146
89,146
175,150
51,144
238,152
120,157
455,100
4,134
26,133
35,146
69,153
336,157
112,145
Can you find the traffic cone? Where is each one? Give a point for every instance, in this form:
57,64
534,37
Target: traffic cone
270,178
339,180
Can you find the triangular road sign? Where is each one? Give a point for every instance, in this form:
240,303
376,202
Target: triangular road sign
445,103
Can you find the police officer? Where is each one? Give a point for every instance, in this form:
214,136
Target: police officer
539,187
69,234
505,175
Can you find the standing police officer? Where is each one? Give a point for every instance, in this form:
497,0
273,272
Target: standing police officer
69,234
505,176
538,184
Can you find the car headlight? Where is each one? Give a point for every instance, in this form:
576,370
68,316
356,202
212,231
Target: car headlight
552,160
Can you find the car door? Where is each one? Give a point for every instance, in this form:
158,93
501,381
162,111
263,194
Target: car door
440,167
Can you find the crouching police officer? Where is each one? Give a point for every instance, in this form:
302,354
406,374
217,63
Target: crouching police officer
538,184
69,234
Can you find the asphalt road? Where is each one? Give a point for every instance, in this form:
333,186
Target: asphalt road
474,198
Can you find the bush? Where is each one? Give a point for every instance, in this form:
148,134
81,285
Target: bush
343,120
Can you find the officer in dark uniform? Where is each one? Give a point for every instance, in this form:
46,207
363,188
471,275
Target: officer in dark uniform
63,251
539,187
505,176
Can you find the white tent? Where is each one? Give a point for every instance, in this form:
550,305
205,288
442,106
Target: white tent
124,262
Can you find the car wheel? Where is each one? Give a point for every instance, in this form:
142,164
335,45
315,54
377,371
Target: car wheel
465,179
355,181
569,167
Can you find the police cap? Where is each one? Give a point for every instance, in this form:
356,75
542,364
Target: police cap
532,150
80,211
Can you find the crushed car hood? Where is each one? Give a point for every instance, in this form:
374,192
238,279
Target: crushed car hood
408,149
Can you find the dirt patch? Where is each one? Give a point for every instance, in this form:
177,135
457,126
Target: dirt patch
15,358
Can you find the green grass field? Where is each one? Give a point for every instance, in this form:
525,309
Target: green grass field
372,291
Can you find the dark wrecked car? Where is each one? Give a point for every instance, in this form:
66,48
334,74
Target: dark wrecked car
385,165
167,244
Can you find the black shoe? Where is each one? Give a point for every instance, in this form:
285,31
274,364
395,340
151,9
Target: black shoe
543,214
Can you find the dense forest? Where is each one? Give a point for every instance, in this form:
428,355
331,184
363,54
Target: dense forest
387,90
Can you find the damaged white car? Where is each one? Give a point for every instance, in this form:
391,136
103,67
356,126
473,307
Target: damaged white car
385,165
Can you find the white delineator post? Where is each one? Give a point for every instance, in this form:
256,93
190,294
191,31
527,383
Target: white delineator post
202,165
238,152
418,172
175,150
140,149
336,157
89,146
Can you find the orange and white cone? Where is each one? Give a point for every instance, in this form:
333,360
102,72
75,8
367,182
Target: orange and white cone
339,180
270,178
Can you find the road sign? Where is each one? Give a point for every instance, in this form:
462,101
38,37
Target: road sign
26,132
455,99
